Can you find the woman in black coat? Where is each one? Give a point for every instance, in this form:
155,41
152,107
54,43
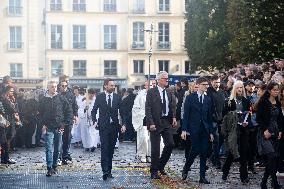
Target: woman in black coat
270,119
241,105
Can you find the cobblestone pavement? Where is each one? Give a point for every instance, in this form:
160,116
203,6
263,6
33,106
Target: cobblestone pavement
85,172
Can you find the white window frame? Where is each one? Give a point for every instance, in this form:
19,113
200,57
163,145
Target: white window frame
80,67
53,68
110,37
81,42
18,70
56,36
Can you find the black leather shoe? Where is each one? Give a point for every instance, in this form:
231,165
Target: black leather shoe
184,174
9,161
155,176
110,175
163,172
93,149
204,181
64,162
263,185
49,172
245,181
68,158
224,177
105,176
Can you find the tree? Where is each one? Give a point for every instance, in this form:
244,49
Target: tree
206,36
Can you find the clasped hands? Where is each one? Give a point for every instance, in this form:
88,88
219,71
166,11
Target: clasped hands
184,135
267,134
153,127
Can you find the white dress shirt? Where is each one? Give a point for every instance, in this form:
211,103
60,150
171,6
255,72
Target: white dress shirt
167,100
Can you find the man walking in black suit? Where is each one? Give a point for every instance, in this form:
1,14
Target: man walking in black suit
108,104
197,124
160,115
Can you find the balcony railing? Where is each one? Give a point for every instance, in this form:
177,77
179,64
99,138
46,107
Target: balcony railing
15,11
56,45
138,45
15,45
110,7
163,45
110,45
140,10
79,7
56,7
79,45
164,8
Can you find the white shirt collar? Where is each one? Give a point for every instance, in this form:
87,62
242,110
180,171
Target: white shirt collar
111,94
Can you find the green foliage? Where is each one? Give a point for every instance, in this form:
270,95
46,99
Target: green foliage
223,33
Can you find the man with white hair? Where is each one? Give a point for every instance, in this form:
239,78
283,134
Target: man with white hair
160,116
55,114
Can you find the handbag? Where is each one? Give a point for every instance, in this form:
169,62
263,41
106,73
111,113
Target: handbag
4,122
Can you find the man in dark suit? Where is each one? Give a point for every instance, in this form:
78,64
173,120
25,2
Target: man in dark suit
197,124
108,104
160,115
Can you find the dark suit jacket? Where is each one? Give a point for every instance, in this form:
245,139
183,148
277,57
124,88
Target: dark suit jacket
196,113
105,112
153,107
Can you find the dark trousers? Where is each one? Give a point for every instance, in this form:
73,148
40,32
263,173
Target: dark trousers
271,164
252,147
4,152
157,162
66,141
30,126
243,150
130,132
199,147
216,146
108,136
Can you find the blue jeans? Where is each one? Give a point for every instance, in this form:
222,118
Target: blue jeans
52,138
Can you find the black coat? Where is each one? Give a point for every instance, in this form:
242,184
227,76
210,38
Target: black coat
55,112
153,107
69,95
105,112
263,115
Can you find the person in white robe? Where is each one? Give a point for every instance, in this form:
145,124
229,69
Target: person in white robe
76,130
143,137
89,134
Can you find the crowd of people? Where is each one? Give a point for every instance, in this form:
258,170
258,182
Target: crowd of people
237,114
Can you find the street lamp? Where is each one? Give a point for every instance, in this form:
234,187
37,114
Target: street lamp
150,52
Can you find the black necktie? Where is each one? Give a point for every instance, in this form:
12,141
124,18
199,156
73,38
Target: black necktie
164,102
200,99
109,101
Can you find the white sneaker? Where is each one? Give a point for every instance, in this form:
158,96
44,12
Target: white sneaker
143,160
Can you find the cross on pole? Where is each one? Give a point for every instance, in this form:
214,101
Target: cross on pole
150,52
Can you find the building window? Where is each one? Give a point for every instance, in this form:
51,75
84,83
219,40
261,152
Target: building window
164,36
79,67
164,65
15,37
79,5
56,36
138,66
139,6
55,5
110,5
138,35
79,37
16,70
15,8
110,67
187,67
164,5
110,37
56,68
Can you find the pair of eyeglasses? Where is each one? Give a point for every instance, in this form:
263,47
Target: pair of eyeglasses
64,85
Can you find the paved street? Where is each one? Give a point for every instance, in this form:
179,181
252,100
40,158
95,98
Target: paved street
85,172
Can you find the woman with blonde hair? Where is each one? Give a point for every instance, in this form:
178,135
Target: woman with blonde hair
235,129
